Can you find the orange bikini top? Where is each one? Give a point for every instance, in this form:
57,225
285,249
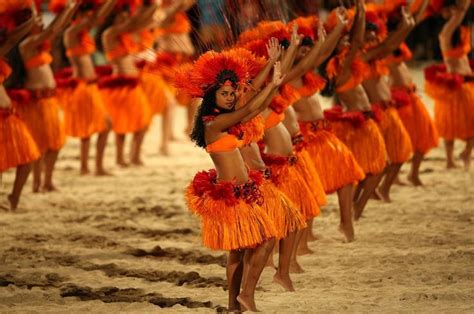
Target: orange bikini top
86,46
376,69
463,48
5,71
273,119
42,58
126,46
226,143
147,39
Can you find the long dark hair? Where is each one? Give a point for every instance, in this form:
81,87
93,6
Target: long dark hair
207,108
330,88
107,23
18,75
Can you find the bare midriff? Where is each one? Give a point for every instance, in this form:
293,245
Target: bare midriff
355,99
230,166
458,65
400,75
377,89
308,109
5,101
40,78
252,157
83,67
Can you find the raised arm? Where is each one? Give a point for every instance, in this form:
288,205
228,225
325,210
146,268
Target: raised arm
306,64
255,106
457,15
143,18
357,40
332,39
419,15
274,53
53,29
394,40
290,54
17,34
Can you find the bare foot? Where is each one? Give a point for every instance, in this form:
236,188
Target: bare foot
415,180
313,237
466,158
348,231
13,202
138,163
36,187
247,303
398,181
384,196
451,165
295,268
122,164
164,150
85,172
103,173
303,250
49,188
286,283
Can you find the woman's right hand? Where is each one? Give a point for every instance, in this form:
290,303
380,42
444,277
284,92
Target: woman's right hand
277,78
273,49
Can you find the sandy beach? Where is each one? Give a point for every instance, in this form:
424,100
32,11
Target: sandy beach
128,243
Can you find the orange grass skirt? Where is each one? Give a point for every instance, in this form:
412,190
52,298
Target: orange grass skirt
282,211
42,118
229,222
454,109
17,145
418,123
84,111
334,161
155,89
306,168
366,143
128,108
291,182
396,137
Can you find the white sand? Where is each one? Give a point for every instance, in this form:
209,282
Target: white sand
414,255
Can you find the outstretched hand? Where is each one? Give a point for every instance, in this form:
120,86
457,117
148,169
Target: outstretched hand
295,38
277,76
273,49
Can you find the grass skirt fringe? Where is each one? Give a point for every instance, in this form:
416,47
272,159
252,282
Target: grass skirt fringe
306,168
289,180
229,222
418,123
281,210
334,161
18,146
365,142
126,104
84,111
156,90
42,118
396,137
454,109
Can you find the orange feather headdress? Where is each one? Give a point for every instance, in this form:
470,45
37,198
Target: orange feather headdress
255,39
374,21
307,27
12,14
216,69
331,21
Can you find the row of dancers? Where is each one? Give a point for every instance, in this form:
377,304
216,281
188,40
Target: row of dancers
276,153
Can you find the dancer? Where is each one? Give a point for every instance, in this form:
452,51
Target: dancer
412,111
18,146
450,85
124,97
41,113
279,153
354,127
281,210
84,110
378,46
334,162
228,198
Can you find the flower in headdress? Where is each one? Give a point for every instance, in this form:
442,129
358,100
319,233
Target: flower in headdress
374,22
215,69
12,14
331,21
